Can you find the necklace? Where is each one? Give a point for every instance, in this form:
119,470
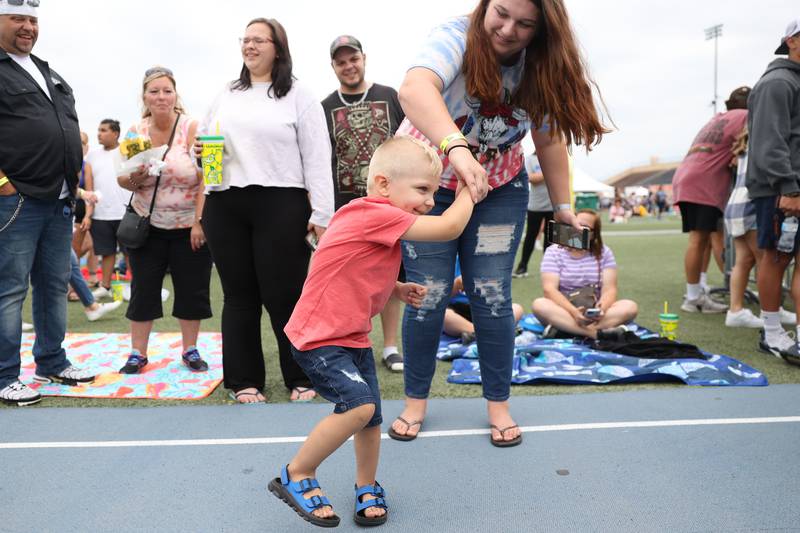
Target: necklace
352,104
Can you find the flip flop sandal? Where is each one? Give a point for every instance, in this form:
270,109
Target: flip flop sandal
301,390
236,397
405,438
505,443
292,493
359,515
72,296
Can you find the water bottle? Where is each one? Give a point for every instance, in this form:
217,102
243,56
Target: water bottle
788,233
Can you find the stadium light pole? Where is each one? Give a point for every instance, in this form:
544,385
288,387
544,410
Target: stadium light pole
714,32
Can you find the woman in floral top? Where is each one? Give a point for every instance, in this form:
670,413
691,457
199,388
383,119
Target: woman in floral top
176,241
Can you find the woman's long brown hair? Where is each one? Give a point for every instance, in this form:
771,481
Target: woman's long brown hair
596,242
555,86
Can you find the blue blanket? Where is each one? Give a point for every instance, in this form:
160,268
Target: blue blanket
568,361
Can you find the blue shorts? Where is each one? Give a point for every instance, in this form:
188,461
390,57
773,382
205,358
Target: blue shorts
345,377
768,223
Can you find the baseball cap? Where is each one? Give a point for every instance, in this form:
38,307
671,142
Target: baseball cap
791,30
738,98
345,41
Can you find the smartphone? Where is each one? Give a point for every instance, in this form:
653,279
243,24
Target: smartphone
311,240
592,313
566,235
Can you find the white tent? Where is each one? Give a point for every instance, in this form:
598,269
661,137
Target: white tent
583,182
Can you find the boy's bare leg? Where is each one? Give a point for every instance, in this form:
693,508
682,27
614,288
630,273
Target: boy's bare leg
368,446
413,411
324,439
390,321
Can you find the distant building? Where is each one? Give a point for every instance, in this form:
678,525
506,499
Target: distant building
649,176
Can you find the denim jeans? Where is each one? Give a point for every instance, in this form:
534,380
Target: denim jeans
77,282
486,250
34,249
345,377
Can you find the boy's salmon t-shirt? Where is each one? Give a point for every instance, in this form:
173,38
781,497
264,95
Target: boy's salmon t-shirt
352,276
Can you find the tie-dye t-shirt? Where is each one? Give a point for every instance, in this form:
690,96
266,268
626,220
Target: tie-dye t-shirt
179,185
493,131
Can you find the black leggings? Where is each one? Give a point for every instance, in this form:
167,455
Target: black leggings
256,236
535,219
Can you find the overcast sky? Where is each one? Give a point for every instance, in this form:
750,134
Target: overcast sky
650,58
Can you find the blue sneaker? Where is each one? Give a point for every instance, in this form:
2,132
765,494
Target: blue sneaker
193,361
135,363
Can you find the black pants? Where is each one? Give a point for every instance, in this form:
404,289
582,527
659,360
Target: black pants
190,271
256,236
535,219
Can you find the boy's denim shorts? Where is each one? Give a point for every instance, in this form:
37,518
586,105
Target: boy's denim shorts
344,376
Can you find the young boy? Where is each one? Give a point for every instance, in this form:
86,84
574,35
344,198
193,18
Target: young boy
352,276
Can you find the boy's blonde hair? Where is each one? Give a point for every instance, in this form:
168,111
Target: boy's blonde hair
402,157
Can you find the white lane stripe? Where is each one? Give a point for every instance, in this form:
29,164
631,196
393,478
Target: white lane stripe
423,434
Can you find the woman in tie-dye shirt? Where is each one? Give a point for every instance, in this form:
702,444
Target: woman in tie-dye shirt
176,240
478,86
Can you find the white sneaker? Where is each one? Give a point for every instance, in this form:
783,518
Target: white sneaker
71,376
102,310
780,345
101,292
788,318
27,326
743,318
17,393
703,304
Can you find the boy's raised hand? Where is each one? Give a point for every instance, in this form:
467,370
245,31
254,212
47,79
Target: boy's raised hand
411,293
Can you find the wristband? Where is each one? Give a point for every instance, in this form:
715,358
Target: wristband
450,138
563,207
451,148
3,180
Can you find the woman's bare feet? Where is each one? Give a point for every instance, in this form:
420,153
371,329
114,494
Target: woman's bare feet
302,394
414,413
249,395
500,417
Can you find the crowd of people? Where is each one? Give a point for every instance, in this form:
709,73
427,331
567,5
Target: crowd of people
432,176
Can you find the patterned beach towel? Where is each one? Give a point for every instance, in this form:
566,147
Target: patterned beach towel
567,361
164,378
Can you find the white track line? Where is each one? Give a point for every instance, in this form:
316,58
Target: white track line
423,434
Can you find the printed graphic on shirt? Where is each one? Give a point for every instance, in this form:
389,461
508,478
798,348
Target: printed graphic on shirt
711,134
492,123
358,131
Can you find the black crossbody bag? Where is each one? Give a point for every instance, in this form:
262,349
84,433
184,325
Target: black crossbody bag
134,228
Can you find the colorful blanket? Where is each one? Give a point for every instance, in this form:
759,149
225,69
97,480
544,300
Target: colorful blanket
164,378
568,361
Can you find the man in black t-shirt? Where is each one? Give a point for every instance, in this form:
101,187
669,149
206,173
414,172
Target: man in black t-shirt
360,117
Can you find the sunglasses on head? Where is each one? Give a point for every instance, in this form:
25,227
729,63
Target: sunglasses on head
32,3
156,70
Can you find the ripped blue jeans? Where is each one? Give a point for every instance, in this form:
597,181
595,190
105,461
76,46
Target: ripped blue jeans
486,251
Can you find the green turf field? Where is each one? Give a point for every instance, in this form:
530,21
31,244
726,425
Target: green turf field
650,272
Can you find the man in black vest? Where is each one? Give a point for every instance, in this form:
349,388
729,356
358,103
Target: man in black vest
40,156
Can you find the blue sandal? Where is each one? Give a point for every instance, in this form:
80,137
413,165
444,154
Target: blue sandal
380,501
292,492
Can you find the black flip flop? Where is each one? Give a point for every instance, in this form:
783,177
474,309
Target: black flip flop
405,438
505,443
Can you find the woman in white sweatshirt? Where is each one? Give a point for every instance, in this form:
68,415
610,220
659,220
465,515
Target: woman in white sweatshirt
276,187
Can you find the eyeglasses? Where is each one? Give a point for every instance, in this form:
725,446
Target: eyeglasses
244,41
157,70
32,3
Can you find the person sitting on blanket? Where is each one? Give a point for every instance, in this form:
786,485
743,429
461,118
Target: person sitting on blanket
564,270
458,315
355,269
